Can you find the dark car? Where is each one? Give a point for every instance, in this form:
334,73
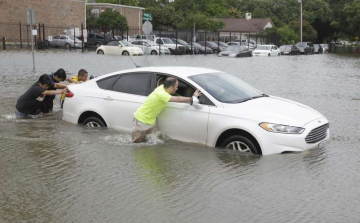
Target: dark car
305,47
188,46
236,51
318,48
289,50
216,49
98,39
202,49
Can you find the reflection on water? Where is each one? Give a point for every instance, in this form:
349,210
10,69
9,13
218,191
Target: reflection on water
54,171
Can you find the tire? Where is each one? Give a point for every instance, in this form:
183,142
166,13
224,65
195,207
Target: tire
100,52
97,45
125,53
93,122
67,46
269,55
171,51
279,54
250,54
241,144
154,52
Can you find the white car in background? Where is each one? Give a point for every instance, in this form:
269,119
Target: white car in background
168,43
122,47
229,113
267,50
149,48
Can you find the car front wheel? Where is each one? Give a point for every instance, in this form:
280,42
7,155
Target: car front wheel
153,52
93,122
100,52
125,53
241,144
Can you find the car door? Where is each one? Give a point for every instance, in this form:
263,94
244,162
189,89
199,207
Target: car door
55,41
123,97
182,121
62,41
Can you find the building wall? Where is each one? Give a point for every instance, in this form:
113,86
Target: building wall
59,14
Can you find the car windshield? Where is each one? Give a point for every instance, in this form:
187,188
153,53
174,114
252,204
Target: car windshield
213,44
125,43
167,41
263,47
301,44
235,48
226,88
316,46
285,47
222,44
179,41
197,45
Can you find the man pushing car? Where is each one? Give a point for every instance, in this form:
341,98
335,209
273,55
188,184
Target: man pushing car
145,116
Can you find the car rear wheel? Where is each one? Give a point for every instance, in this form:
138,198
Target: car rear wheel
125,53
100,52
154,52
241,144
67,46
93,122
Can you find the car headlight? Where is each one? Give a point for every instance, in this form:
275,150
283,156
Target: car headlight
279,128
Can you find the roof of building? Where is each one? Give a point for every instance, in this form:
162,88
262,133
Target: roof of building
113,5
244,25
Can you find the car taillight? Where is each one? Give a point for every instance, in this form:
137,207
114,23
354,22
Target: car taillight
69,94
76,42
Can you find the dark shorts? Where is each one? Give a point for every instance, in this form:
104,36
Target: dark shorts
23,115
46,106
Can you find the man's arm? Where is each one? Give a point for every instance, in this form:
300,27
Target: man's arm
58,85
54,92
70,80
180,99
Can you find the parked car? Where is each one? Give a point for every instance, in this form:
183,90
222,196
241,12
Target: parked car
167,42
318,48
233,43
119,48
235,51
202,49
325,47
305,47
147,48
189,47
229,113
216,49
98,39
289,50
267,50
65,41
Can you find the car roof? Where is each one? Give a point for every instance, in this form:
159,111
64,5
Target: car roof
181,72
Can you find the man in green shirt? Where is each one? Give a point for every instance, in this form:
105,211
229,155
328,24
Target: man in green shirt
145,116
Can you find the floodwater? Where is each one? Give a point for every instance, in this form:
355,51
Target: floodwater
54,171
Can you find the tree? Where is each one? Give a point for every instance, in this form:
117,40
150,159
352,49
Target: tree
288,36
164,18
309,33
352,12
112,19
234,13
202,22
90,17
209,8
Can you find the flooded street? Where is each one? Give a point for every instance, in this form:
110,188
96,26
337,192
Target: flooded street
54,171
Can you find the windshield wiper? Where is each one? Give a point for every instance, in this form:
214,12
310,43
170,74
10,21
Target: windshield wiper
248,99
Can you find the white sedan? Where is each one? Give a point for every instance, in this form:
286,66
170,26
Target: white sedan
122,47
150,48
230,113
267,50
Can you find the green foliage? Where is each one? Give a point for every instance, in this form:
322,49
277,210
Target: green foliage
288,36
352,12
234,13
90,17
164,18
309,33
122,2
112,19
209,8
202,22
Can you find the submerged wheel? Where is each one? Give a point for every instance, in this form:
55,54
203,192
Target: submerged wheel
269,55
67,46
154,52
125,53
100,52
241,144
93,122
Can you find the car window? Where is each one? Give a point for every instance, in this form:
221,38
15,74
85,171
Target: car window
107,82
275,47
56,37
100,37
113,43
91,35
158,41
135,83
63,37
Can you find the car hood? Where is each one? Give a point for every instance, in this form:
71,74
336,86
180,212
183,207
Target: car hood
273,110
229,52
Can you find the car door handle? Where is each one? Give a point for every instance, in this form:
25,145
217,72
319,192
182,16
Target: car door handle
108,98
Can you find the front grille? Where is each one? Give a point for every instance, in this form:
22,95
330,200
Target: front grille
317,134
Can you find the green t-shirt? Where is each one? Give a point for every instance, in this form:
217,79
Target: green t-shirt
153,105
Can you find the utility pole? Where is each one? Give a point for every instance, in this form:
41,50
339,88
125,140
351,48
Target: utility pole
301,35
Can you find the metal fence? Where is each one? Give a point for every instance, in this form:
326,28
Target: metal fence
18,35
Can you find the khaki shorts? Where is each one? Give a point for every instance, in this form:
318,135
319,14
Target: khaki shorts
141,130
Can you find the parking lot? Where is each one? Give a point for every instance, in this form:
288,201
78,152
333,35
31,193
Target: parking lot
54,171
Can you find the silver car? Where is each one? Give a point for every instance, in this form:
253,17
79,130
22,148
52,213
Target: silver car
65,41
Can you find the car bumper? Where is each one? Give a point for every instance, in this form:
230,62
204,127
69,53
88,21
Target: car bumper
68,111
137,54
272,143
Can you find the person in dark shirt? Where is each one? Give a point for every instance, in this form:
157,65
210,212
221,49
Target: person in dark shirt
48,102
29,103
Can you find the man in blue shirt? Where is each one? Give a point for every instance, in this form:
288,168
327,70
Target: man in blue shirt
48,102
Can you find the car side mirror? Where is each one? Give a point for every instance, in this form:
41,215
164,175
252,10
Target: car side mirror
195,100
